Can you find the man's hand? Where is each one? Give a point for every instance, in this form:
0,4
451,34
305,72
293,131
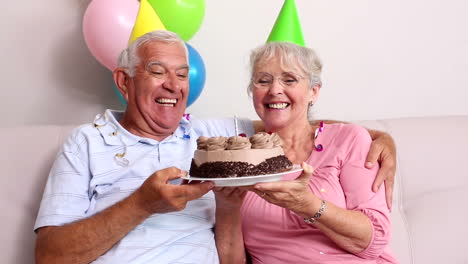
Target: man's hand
228,231
157,195
229,198
383,150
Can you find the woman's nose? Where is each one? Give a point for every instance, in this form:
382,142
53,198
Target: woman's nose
276,87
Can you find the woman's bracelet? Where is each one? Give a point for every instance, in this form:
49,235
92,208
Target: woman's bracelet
312,219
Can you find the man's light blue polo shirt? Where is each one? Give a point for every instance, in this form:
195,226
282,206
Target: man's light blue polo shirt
88,177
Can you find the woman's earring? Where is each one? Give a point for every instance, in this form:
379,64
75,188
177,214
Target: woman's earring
311,103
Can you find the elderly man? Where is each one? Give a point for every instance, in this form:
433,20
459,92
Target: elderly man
113,193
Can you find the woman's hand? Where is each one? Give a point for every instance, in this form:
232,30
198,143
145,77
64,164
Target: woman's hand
294,195
383,150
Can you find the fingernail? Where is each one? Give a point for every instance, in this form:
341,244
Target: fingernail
307,168
368,164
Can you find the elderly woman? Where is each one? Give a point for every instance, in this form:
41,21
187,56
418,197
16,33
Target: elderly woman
328,213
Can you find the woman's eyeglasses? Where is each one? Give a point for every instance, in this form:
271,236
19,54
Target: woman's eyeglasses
286,79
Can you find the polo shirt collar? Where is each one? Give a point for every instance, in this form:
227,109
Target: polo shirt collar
116,135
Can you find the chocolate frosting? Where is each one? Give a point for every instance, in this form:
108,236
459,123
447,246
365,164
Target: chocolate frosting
211,144
261,140
277,141
238,142
216,143
202,143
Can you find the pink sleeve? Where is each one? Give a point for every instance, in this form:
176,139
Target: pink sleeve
356,182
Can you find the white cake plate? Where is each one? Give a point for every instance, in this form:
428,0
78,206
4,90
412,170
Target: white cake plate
247,180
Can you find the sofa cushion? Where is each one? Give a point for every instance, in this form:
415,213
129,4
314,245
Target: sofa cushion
434,186
431,190
430,196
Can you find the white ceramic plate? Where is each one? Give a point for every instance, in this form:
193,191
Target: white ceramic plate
247,180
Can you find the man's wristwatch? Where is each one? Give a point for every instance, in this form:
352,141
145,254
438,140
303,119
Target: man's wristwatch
312,219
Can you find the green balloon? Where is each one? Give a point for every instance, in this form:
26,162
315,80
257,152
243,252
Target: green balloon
183,17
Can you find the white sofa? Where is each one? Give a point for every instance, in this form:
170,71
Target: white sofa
430,200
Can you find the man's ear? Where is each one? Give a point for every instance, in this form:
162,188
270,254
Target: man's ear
121,80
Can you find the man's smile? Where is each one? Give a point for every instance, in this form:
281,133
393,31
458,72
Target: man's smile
166,101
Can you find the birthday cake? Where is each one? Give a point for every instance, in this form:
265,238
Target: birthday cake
238,156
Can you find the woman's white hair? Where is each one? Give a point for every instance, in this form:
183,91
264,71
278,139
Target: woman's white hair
291,56
129,59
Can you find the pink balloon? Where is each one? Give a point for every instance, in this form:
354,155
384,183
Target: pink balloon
107,25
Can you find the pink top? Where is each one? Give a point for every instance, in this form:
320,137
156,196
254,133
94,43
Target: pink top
273,234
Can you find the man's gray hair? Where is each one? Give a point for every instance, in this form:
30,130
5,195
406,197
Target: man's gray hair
129,58
290,55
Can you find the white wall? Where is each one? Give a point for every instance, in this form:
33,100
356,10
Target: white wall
382,59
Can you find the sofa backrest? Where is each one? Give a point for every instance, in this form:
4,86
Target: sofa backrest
430,199
26,158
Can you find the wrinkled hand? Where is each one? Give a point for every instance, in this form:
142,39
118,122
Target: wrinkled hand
294,194
383,150
229,198
157,195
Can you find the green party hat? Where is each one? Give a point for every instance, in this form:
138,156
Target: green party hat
287,26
